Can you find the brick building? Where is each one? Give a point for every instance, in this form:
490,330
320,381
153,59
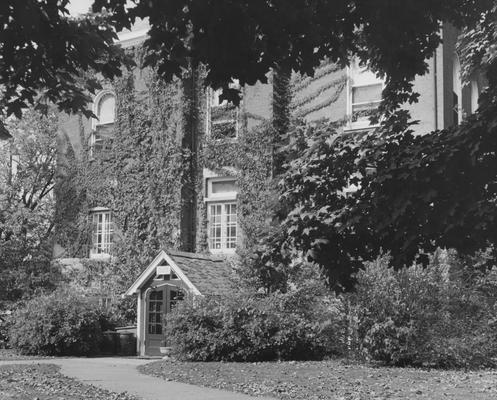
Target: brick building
205,215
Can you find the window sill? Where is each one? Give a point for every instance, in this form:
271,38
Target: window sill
359,127
220,199
222,140
222,251
100,257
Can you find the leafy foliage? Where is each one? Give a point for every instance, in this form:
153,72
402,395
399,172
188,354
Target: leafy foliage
300,324
347,197
292,35
27,207
43,52
442,315
140,178
63,323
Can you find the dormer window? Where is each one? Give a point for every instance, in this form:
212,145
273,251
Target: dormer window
103,126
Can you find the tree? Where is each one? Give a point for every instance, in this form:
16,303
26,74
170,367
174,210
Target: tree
246,40
350,198
27,206
44,53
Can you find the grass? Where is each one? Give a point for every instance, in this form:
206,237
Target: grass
44,382
330,380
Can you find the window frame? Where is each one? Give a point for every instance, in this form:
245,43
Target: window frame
224,239
95,123
222,200
212,94
457,90
364,123
209,196
105,245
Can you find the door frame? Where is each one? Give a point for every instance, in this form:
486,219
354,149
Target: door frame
166,289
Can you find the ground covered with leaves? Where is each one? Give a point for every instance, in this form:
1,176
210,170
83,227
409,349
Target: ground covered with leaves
10,354
338,380
44,382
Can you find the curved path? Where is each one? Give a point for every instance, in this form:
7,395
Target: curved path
121,375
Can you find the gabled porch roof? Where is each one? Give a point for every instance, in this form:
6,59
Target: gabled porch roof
202,274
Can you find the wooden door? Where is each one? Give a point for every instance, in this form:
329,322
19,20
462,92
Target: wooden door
154,321
160,302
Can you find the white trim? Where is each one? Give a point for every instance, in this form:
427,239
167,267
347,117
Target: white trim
151,269
140,336
95,209
94,121
209,196
96,101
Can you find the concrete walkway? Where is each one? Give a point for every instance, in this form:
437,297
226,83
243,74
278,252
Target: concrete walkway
121,375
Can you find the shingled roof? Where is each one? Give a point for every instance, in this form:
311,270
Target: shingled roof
205,274
209,274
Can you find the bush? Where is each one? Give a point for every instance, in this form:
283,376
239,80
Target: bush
304,323
62,323
441,316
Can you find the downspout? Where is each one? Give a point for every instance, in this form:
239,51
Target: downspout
435,88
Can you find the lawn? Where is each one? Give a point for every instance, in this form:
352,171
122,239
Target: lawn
330,380
44,382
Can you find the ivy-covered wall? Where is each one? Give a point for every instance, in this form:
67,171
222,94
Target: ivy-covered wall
152,176
143,176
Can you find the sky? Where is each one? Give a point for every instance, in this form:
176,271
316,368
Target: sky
76,7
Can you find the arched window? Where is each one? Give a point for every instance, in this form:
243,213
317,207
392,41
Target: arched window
103,126
456,91
106,109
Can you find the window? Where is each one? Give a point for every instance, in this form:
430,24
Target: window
222,117
15,160
155,312
102,233
475,94
221,215
174,297
364,95
103,127
456,92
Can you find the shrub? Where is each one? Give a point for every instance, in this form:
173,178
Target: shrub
62,323
440,316
304,323
4,330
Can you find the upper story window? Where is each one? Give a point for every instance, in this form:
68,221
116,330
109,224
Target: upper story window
222,231
364,95
475,94
103,126
457,110
102,233
222,117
